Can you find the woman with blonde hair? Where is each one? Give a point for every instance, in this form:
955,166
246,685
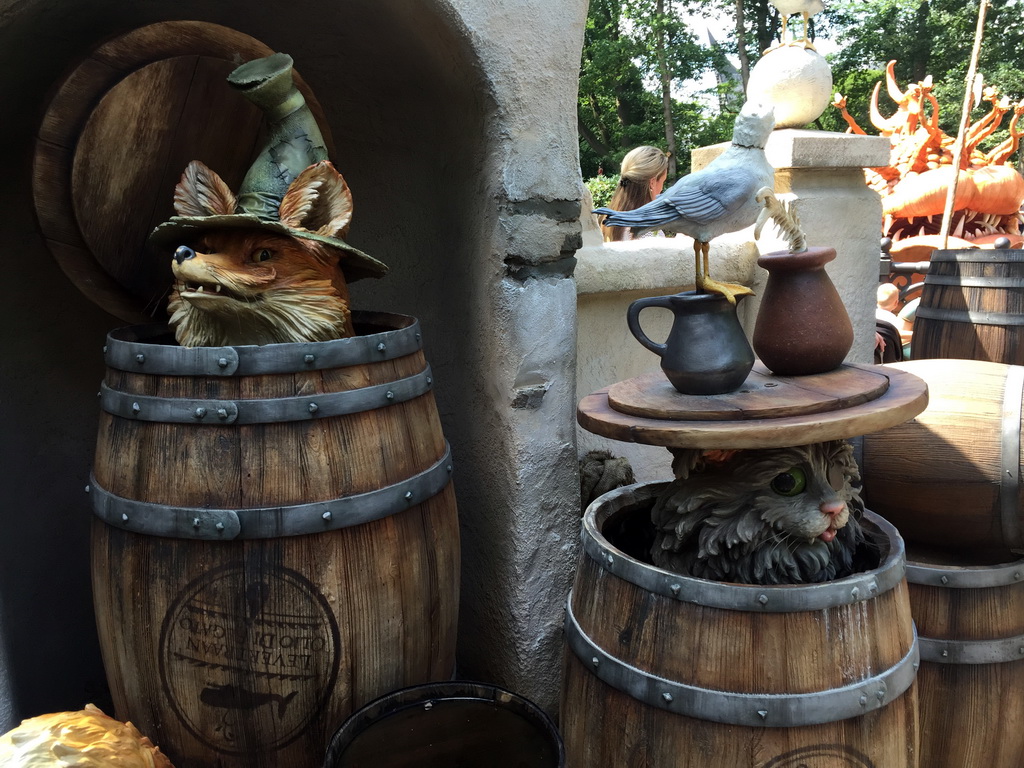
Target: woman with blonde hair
641,179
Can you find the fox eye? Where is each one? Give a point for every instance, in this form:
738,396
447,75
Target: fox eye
790,482
262,255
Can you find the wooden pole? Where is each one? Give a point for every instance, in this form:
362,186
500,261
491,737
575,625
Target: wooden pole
965,117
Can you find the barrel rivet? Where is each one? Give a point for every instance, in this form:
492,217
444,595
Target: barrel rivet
88,489
430,381
136,408
219,526
763,713
880,695
1021,651
418,337
917,665
104,349
873,587
675,589
222,362
595,661
326,515
390,395
222,413
863,701
309,358
1017,575
200,413
855,593
195,522
667,697
449,468
610,558
945,654
124,517
382,347
944,579
313,407
408,495
762,599
140,359
99,394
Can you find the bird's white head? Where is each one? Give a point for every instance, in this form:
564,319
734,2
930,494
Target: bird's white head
754,125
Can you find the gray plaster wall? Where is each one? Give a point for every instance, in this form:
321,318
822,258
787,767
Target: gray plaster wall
454,123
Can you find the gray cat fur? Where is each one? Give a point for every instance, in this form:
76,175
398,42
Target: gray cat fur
722,521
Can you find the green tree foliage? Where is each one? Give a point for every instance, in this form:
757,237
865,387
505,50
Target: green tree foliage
632,49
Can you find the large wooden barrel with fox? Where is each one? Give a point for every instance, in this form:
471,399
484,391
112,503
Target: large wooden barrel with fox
668,670
276,539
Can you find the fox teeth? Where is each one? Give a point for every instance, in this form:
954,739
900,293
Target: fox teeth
217,288
199,289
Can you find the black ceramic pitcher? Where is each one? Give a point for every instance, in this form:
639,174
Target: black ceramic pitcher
706,352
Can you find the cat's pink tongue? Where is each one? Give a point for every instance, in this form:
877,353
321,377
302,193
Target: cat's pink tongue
828,535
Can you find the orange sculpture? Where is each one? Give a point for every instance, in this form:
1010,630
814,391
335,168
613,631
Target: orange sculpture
914,185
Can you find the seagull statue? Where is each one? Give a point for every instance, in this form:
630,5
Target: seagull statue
805,8
723,197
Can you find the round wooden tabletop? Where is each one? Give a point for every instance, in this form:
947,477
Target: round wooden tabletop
766,412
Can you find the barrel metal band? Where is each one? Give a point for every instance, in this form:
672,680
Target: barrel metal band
971,316
269,522
1009,486
127,350
774,710
974,577
979,256
974,281
171,410
972,651
808,597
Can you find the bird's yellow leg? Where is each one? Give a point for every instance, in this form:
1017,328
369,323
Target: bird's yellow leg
729,290
698,277
806,41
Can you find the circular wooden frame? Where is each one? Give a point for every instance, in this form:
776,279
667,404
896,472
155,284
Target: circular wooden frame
115,139
905,396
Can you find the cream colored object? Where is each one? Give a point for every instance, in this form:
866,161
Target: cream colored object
84,739
797,81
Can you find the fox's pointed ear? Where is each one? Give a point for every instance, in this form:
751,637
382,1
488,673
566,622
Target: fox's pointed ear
318,201
201,192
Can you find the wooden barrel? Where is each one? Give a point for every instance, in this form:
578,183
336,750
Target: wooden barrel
972,307
668,670
442,725
276,540
971,625
951,476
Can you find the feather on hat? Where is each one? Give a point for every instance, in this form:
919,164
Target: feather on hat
291,188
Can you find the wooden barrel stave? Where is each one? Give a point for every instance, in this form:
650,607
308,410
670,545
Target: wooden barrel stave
726,650
969,711
387,589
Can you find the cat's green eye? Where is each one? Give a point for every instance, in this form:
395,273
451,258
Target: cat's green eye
790,483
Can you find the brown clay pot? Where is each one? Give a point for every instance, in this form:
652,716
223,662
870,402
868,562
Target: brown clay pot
802,326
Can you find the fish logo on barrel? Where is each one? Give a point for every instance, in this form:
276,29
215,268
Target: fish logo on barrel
822,756
249,659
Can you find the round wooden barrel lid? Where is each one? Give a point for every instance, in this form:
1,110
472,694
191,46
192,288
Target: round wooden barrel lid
766,412
115,139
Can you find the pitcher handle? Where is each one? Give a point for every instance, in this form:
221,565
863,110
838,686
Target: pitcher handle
633,320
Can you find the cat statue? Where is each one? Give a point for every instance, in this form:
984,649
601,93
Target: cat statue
761,516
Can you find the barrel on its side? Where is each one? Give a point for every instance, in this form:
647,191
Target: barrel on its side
441,725
972,307
276,540
971,625
951,477
668,670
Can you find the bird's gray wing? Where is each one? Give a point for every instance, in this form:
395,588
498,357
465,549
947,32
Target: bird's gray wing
711,194
652,214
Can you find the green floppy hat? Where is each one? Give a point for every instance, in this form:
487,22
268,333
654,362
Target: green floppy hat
295,155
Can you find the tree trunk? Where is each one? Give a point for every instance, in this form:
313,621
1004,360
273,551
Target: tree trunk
741,45
666,91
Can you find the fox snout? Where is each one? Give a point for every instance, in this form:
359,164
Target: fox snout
183,252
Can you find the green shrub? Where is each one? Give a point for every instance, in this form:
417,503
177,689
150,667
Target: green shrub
602,188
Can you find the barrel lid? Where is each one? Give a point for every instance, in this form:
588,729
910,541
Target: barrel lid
115,139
